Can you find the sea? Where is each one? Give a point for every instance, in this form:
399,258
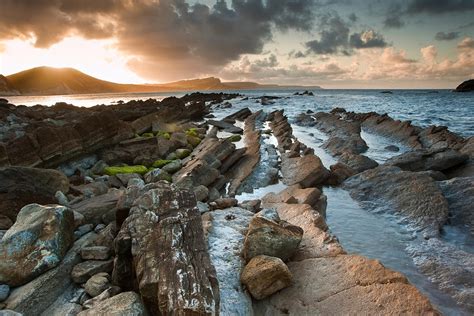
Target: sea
360,230
422,107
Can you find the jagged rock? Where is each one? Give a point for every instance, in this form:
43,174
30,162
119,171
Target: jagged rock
358,163
307,171
36,243
409,194
85,270
97,284
265,275
295,195
95,253
227,127
339,173
421,160
36,296
20,186
94,208
162,240
273,238
127,303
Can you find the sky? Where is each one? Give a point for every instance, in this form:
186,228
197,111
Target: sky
331,43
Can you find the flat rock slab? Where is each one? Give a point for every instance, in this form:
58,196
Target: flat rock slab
412,195
346,284
127,303
307,171
94,208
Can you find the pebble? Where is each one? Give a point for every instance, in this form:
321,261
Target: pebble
4,292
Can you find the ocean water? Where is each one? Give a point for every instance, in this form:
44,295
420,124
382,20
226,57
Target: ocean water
422,107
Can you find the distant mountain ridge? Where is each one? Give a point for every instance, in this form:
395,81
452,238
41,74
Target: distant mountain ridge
50,81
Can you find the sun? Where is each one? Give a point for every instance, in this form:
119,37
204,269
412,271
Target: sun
98,58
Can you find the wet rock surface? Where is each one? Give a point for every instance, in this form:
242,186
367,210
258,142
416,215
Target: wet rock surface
149,247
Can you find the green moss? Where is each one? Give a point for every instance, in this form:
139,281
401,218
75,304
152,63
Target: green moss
182,153
193,141
160,163
192,132
163,134
111,171
148,135
235,138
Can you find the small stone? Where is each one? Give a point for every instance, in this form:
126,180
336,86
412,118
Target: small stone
172,167
61,198
85,270
223,203
108,293
99,227
4,292
392,148
82,230
182,153
265,275
251,205
97,284
95,253
201,192
127,303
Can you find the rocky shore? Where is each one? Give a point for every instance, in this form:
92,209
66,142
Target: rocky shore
135,209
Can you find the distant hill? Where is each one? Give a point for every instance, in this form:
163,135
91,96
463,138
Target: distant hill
49,81
466,86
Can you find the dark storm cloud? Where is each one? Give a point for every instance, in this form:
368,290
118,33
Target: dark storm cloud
170,37
334,34
446,36
393,21
50,21
439,7
335,38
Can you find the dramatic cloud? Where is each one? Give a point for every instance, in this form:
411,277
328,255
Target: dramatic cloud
168,39
393,21
466,44
367,39
442,36
334,34
49,22
439,7
335,38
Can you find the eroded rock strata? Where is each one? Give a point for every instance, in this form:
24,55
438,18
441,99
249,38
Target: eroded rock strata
137,215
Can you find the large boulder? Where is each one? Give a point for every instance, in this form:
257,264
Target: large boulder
307,171
162,245
265,275
20,186
95,208
127,303
271,237
36,243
